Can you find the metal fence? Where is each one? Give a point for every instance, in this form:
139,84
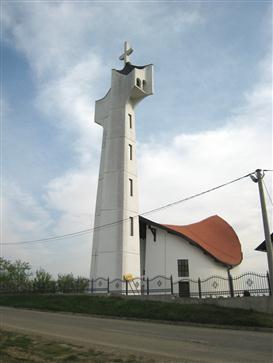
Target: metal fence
247,284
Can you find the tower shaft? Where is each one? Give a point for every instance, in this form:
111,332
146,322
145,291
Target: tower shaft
116,236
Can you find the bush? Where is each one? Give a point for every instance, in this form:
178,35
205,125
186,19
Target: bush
43,282
67,283
14,277
81,284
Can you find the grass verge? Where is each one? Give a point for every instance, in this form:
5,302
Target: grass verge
119,307
23,348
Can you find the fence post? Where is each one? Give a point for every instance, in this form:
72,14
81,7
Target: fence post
126,285
92,286
230,281
171,278
108,285
143,286
199,288
148,290
268,282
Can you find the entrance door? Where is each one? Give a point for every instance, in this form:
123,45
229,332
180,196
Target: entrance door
184,289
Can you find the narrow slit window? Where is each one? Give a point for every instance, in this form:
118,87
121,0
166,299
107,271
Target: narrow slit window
130,152
131,187
138,82
144,84
131,226
130,121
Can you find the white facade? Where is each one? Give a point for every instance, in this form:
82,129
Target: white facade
162,255
116,245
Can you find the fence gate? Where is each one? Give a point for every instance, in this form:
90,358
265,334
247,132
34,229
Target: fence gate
184,288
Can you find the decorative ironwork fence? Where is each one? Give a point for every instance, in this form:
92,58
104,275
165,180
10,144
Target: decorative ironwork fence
253,283
247,284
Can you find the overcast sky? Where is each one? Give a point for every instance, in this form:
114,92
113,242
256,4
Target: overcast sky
209,121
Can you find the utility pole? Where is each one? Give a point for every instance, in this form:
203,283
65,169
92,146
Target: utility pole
257,178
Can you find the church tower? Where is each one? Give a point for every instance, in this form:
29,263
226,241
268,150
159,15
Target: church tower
116,245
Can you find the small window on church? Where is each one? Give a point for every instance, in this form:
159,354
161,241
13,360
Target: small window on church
130,152
143,84
131,226
183,268
131,187
130,121
138,82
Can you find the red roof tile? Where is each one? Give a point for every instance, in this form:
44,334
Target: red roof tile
215,236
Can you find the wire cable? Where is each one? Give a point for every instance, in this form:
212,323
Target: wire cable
268,194
196,195
89,230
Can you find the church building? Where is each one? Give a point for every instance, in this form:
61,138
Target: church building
198,250
125,243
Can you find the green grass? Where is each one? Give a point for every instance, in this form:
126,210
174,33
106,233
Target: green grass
120,307
21,348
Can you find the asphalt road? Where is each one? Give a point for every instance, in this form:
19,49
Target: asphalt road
167,342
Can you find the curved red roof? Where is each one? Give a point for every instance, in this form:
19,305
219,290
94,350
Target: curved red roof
215,236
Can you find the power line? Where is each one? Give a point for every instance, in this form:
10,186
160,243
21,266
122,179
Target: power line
73,234
268,194
89,230
196,195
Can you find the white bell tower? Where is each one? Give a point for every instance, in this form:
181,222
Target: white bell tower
116,250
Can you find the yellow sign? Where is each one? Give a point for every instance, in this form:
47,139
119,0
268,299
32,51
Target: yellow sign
128,277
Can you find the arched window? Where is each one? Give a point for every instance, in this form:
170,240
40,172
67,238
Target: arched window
138,82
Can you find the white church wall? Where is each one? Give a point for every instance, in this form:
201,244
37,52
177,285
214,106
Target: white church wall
162,256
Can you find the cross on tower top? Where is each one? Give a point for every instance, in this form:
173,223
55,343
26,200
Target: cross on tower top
127,51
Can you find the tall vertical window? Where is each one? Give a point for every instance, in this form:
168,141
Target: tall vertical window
138,82
130,152
131,226
183,268
131,187
130,121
